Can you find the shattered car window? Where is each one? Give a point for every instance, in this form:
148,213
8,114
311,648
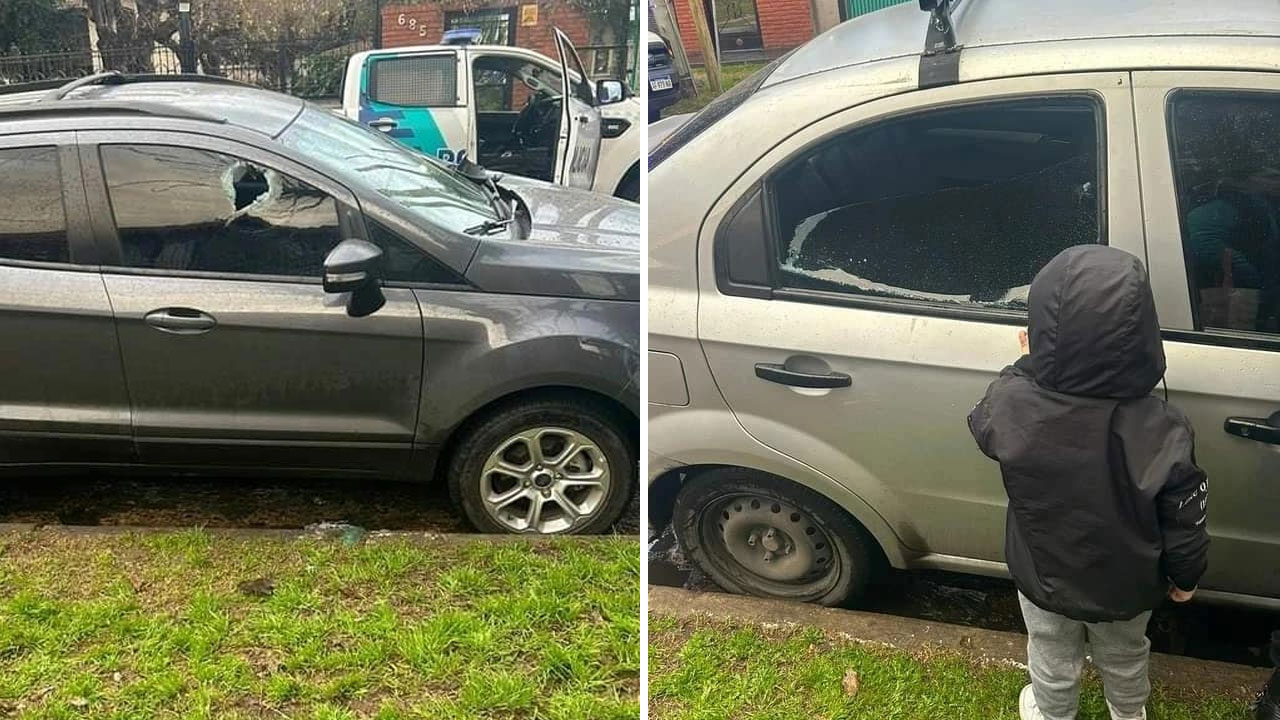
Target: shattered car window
959,206
187,209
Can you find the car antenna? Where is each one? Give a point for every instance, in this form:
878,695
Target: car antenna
940,60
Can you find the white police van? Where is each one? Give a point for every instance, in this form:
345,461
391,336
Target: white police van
505,107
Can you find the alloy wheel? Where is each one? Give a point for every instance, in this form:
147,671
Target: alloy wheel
545,480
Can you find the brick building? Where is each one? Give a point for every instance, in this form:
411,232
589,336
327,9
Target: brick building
759,29
749,29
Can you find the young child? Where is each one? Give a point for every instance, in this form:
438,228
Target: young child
1107,508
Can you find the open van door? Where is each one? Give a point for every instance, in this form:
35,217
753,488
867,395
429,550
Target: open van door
578,150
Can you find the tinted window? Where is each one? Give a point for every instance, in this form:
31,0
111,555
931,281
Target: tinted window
423,81
33,224
956,206
403,261
187,209
1226,151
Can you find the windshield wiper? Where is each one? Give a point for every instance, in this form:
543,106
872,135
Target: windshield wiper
487,180
489,227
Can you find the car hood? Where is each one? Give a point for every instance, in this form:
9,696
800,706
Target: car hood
581,244
659,131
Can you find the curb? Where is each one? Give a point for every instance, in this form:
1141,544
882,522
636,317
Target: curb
1183,676
323,533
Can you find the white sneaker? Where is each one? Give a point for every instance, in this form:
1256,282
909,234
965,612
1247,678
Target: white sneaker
1117,716
1027,709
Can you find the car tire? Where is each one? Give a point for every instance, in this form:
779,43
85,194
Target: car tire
629,188
478,479
818,553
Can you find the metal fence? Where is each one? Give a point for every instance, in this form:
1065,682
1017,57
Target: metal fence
299,68
310,70
607,61
854,8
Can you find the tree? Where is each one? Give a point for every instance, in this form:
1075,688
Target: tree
39,26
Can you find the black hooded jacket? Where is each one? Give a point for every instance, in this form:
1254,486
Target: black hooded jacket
1106,503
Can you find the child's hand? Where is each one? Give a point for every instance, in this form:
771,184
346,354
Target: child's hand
1023,343
1180,596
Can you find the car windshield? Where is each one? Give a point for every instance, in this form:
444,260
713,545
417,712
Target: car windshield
420,184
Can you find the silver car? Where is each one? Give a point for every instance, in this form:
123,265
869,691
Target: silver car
202,276
840,250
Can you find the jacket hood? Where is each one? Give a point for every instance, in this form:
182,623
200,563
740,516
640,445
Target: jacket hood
1093,327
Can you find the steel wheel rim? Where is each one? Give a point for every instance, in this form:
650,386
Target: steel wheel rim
545,480
774,542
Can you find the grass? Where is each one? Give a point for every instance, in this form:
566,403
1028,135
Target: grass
730,75
156,626
704,670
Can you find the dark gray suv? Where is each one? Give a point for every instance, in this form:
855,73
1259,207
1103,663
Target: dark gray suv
203,276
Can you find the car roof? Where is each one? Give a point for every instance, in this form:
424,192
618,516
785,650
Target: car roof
469,47
900,30
245,106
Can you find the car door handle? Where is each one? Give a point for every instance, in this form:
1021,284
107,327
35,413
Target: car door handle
774,372
584,119
384,124
180,321
1257,429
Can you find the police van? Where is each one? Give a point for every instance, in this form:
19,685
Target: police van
510,109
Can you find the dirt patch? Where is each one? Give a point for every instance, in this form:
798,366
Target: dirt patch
236,502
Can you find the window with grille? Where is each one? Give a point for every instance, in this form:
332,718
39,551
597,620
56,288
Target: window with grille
415,81
497,27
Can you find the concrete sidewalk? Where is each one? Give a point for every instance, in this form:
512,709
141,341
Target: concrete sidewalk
1183,676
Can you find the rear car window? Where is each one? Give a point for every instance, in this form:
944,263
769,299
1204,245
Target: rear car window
714,112
33,224
1226,154
415,81
956,206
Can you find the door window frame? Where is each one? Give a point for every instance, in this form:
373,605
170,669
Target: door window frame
351,219
1154,92
83,253
925,101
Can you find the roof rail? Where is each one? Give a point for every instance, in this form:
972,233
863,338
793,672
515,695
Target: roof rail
36,109
115,77
32,86
940,60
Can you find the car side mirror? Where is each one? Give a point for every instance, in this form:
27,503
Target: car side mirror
609,92
355,266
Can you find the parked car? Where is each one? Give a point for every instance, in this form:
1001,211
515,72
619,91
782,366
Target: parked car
664,81
503,107
198,275
850,270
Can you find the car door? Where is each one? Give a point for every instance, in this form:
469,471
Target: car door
1210,149
865,281
579,149
62,390
234,353
418,98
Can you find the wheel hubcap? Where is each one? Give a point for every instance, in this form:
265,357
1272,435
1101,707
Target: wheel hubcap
771,539
545,480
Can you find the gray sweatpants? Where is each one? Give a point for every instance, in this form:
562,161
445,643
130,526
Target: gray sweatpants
1055,656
